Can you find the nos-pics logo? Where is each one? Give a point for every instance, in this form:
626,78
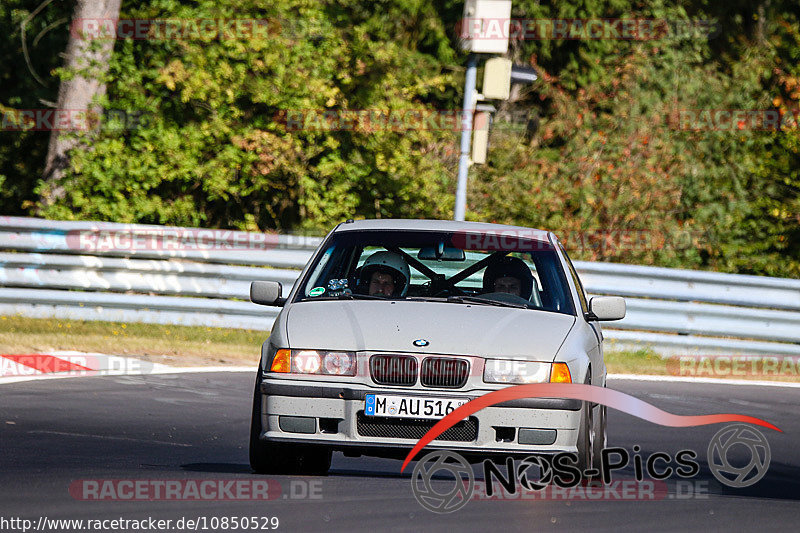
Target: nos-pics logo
443,481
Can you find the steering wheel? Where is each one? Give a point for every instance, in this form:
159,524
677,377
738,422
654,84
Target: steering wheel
505,297
449,291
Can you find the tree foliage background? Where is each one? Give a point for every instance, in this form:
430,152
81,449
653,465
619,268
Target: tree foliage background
592,148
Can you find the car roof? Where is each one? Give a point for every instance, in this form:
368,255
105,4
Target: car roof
389,224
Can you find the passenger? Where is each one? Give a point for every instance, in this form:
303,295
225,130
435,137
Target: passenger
385,274
509,275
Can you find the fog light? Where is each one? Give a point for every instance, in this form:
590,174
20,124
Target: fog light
537,436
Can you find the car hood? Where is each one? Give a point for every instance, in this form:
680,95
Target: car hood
450,328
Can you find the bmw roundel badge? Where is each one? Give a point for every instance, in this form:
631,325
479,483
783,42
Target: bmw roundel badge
421,342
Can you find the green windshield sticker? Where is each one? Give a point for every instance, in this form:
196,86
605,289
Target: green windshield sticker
316,291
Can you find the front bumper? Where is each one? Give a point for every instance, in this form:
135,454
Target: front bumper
327,414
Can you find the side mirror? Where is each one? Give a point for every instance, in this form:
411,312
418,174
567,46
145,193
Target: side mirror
606,308
266,293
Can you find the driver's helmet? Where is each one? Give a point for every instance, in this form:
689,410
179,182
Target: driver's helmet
508,266
391,263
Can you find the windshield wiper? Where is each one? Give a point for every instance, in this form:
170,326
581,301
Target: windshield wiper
350,296
484,301
354,296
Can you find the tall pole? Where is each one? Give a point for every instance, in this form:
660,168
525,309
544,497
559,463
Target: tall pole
466,137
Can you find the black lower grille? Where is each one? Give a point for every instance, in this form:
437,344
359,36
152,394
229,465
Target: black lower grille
401,428
393,369
444,372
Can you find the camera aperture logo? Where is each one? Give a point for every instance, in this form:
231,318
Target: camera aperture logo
729,439
424,486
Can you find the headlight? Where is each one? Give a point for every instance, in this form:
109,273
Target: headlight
306,361
515,371
338,363
314,362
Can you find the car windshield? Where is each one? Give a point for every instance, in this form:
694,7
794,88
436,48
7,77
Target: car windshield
455,267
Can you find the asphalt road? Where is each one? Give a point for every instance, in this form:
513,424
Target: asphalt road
195,426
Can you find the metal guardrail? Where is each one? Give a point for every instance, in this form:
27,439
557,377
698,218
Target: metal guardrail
141,241
690,285
156,274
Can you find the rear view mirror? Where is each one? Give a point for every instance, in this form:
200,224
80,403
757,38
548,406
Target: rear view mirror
266,293
606,308
441,253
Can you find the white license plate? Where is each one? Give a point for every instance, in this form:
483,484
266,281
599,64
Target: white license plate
410,406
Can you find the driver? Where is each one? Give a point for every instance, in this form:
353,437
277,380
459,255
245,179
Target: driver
509,275
385,274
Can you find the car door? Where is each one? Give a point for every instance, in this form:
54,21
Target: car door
596,354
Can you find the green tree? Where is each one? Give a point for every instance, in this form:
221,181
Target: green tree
233,132
26,83
216,150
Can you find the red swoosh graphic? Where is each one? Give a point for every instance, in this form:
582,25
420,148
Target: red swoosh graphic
590,393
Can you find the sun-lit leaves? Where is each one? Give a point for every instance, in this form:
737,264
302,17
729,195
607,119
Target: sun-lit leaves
592,151
217,150
610,170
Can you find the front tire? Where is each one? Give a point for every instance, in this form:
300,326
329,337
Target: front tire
591,437
600,439
586,438
312,461
265,458
276,458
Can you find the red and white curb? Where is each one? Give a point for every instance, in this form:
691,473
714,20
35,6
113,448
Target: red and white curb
68,364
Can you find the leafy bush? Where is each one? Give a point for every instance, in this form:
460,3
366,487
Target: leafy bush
598,154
